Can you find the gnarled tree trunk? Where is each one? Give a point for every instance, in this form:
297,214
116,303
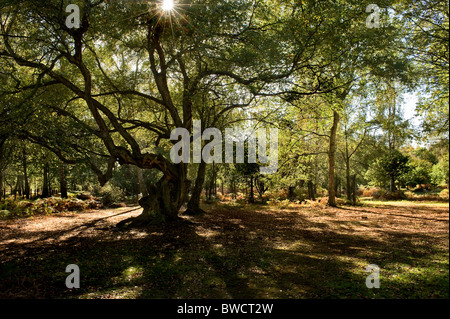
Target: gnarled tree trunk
163,201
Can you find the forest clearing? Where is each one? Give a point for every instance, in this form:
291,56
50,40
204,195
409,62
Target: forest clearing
252,251
224,149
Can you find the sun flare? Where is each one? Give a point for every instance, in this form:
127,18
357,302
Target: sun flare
167,5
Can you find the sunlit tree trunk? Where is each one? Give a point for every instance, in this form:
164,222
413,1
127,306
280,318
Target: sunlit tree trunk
347,177
331,161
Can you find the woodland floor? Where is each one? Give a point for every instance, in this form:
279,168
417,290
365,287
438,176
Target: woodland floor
249,251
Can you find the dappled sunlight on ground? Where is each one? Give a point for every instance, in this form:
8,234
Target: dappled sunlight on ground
252,251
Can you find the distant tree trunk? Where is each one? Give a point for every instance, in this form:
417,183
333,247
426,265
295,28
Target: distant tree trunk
1,184
311,191
215,185
18,187
331,161
35,189
26,190
347,179
291,194
214,180
246,190
212,189
391,139
233,189
63,180
392,187
337,185
193,205
353,197
260,187
316,175
45,188
2,158
142,186
252,195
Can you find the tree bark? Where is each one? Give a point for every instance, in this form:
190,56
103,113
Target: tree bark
311,191
391,132
63,180
18,187
164,200
2,193
348,185
331,161
1,182
392,187
354,189
142,187
252,195
193,206
26,190
45,189
260,187
212,185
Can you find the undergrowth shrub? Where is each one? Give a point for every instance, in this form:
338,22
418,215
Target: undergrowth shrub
286,203
110,194
11,208
444,194
370,192
395,195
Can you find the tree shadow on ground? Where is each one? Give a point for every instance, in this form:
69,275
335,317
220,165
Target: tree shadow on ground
230,253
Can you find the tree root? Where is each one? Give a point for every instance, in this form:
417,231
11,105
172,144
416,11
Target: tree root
145,221
160,206
133,222
194,211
